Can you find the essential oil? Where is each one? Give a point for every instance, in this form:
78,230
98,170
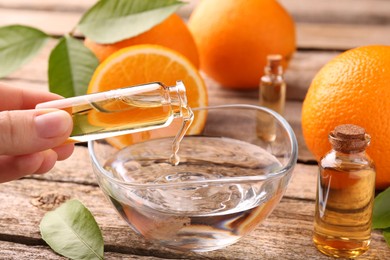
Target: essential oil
272,94
127,110
345,195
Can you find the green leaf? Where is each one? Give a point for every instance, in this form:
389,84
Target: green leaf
71,231
381,213
110,21
71,66
386,235
18,45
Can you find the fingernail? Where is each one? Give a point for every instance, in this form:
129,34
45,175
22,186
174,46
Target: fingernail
52,124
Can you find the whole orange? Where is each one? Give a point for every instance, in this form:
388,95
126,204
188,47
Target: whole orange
234,38
353,88
172,33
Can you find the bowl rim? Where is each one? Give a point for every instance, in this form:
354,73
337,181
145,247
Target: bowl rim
239,179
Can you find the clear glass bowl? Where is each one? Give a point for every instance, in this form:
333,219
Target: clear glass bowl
230,178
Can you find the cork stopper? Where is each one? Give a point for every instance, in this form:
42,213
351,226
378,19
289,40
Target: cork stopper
275,63
349,138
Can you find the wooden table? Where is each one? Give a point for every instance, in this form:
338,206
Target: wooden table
324,29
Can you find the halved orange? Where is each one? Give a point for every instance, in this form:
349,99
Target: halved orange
147,63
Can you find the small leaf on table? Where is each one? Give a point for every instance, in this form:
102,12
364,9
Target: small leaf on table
110,21
72,231
18,45
381,213
71,66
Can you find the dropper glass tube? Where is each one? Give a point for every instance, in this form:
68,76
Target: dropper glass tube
123,111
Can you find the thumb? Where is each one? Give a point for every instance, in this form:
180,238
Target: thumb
30,131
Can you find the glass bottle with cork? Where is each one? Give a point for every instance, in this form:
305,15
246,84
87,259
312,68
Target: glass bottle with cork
272,95
345,194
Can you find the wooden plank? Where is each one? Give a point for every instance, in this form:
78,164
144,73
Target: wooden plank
309,35
63,18
303,183
335,11
302,69
14,250
48,5
53,22
76,6
286,232
314,11
341,36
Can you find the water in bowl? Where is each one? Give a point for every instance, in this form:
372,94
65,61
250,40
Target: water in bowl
192,206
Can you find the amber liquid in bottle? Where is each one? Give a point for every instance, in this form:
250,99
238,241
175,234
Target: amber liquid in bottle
345,194
272,93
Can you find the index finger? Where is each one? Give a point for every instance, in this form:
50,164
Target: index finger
15,98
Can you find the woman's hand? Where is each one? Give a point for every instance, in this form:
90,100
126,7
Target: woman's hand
31,141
